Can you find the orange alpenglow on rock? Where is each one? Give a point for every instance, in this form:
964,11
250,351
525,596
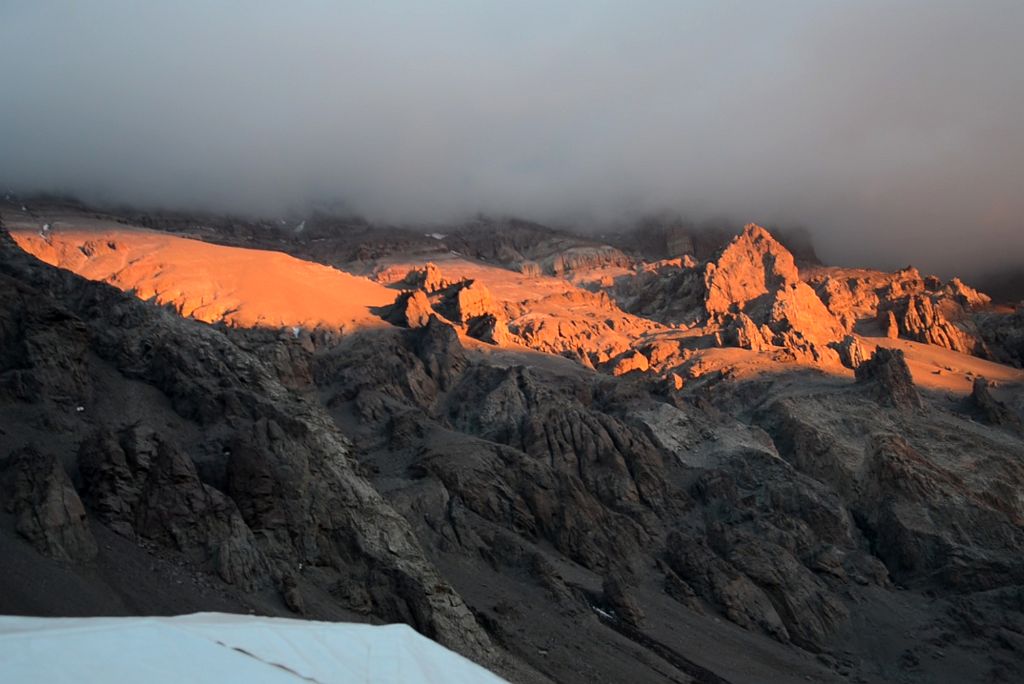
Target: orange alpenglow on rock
753,265
213,283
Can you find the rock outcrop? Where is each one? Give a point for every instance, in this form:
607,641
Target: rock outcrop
472,299
428,278
917,318
47,510
754,264
887,378
989,409
412,309
756,277
851,351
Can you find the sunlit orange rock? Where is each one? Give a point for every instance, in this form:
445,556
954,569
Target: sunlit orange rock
413,309
752,265
213,283
629,363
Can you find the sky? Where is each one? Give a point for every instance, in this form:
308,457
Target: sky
893,131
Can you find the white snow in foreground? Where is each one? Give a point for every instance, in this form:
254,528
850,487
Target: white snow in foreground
215,648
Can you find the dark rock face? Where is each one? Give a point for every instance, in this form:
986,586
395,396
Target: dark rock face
41,346
46,508
989,409
271,488
887,378
961,541
437,346
1003,335
177,510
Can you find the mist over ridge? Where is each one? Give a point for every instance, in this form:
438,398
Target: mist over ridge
891,132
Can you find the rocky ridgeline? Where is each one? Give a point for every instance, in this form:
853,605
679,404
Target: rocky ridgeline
750,294
906,304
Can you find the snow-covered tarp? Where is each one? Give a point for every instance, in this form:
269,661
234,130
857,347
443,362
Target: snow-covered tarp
217,647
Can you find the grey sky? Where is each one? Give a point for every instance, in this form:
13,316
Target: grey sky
893,130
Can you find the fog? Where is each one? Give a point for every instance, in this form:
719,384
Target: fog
893,131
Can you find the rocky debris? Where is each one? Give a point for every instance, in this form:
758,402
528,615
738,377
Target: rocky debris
489,328
906,304
847,299
719,582
114,468
801,322
750,295
989,409
888,379
583,325
179,511
292,595
851,351
412,309
805,604
142,486
47,511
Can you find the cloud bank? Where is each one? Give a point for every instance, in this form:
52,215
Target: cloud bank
892,131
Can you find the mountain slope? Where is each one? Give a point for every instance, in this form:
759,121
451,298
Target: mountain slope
717,511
